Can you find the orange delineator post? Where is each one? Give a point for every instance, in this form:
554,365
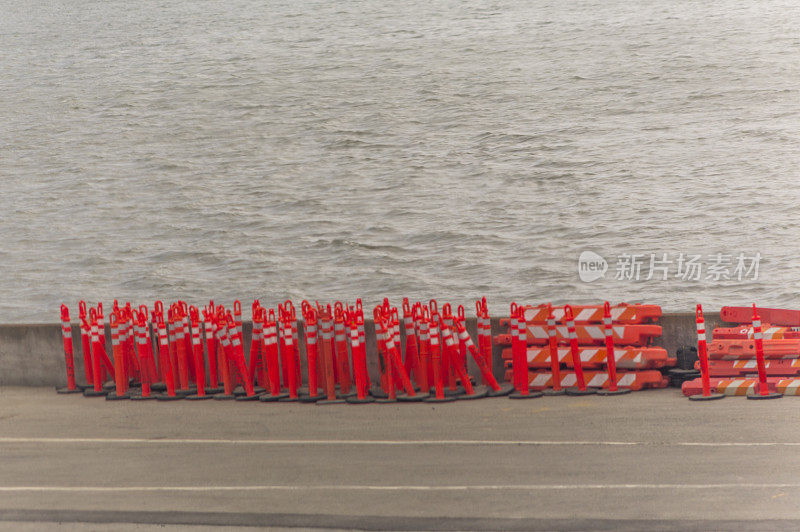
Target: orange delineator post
271,349
703,358
120,378
553,343
163,357
762,392
240,364
340,346
288,337
66,337
576,359
412,363
486,372
311,351
86,343
611,360
452,347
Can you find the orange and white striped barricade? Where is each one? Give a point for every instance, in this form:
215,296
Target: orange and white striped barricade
749,368
762,391
98,350
635,380
359,365
788,386
411,361
271,351
164,362
120,377
555,362
329,381
580,387
436,362
622,313
631,335
728,386
69,361
494,389
611,359
340,347
768,332
702,354
240,364
594,357
522,385
745,349
775,316
481,331
197,358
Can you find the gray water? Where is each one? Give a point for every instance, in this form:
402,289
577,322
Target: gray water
436,148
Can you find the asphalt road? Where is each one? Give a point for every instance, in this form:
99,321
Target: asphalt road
649,460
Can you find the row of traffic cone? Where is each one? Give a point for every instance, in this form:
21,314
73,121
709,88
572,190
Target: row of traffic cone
197,354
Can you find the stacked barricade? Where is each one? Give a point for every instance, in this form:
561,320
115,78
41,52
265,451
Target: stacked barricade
581,337
733,353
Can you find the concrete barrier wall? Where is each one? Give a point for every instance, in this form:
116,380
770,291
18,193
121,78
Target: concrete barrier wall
33,355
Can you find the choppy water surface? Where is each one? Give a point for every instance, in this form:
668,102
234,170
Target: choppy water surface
323,149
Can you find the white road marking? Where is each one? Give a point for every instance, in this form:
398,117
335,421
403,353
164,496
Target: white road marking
360,487
210,441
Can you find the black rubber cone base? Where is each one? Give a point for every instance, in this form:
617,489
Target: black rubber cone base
239,391
356,401
336,401
66,391
247,397
158,387
529,395
224,397
308,398
578,391
289,399
109,385
479,392
165,397
378,393
140,397
269,398
618,391
112,396
459,390
215,390
771,395
551,391
713,396
504,390
89,392
384,400
198,397
445,399
417,397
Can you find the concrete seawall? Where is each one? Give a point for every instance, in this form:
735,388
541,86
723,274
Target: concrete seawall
33,355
